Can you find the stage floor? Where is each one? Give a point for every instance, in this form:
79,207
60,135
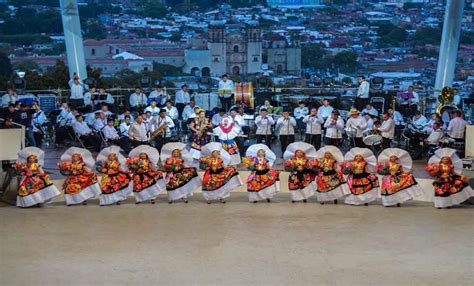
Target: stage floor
238,243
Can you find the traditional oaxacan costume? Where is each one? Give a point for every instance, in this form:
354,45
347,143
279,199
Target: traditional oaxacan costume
148,181
450,187
364,185
263,182
219,179
35,186
115,182
398,184
81,182
330,182
298,157
199,138
227,132
181,181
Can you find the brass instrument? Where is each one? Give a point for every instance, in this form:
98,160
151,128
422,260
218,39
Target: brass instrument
159,131
202,127
445,99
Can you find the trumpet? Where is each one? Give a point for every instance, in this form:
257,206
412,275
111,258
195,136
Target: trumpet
159,131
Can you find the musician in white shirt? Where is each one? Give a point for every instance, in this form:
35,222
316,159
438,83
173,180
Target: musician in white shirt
104,97
286,124
162,121
419,121
188,111
435,135
387,129
88,96
9,97
138,100
226,92
138,132
369,109
77,92
124,126
218,117
111,135
313,128
182,98
334,126
457,127
300,112
325,110
153,108
357,123
398,121
85,133
429,126
362,97
100,121
159,95
264,124
370,121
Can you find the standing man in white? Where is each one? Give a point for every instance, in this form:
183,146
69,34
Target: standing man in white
226,92
362,97
77,92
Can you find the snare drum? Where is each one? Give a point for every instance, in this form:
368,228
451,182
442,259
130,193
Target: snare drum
371,137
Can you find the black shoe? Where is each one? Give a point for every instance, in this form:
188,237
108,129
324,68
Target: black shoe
208,202
399,205
292,202
152,202
321,203
254,202
118,203
170,202
84,203
366,204
137,203
268,200
335,202
304,201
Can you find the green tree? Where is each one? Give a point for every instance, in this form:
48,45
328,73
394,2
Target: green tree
346,61
166,70
26,66
95,30
312,55
5,66
427,35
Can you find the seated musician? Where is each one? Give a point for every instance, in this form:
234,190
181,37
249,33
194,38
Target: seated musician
370,121
359,124
369,109
85,133
111,135
435,136
124,126
429,126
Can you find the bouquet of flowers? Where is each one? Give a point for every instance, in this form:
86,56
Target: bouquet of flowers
347,167
383,168
132,163
21,169
432,169
65,168
173,164
101,166
313,165
249,163
290,165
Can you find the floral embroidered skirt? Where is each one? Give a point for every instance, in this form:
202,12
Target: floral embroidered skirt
214,180
259,180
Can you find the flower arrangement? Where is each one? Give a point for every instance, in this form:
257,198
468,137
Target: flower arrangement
383,168
313,165
65,168
347,167
101,166
22,169
433,169
249,163
203,163
133,163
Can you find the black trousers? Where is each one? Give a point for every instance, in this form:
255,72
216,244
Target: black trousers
286,140
266,138
226,102
332,141
160,141
122,142
358,142
314,139
91,141
360,103
62,133
75,103
386,142
136,143
180,107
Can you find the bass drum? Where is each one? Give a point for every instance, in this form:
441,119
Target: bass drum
371,137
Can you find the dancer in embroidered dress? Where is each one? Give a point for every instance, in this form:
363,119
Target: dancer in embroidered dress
219,179
200,127
115,183
181,181
298,157
450,186
35,186
398,184
81,183
148,181
263,182
360,164
227,131
330,182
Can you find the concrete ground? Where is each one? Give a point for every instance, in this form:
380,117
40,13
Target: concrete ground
238,243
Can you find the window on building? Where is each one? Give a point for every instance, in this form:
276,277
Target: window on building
117,51
236,49
93,52
255,59
145,68
216,59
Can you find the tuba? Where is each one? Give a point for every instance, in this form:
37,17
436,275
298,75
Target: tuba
445,100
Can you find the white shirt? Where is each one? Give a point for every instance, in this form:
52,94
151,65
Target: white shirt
388,128
334,128
99,124
419,123
88,98
137,99
124,128
358,123
325,111
457,128
313,124
429,126
264,125
110,133
77,90
172,112
228,86
7,99
217,119
286,125
188,112
435,136
104,97
370,124
182,97
371,111
157,121
160,96
81,128
154,110
300,113
363,91
138,132
39,118
397,118
238,120
121,117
